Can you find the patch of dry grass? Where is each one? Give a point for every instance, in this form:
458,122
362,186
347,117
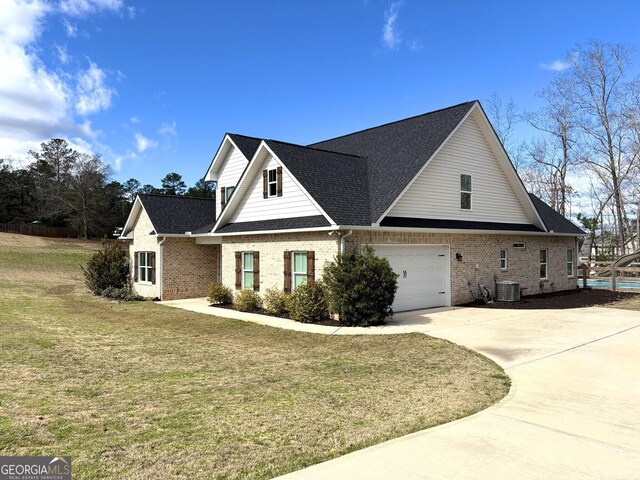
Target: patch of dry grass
139,390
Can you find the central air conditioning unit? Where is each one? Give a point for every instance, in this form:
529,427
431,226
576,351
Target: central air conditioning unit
507,291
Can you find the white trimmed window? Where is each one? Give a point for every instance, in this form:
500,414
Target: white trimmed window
570,271
544,264
145,267
503,259
299,268
465,192
247,269
272,182
228,192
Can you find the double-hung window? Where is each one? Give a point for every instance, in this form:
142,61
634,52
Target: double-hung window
247,269
465,192
299,268
145,267
228,192
272,182
570,262
503,259
544,264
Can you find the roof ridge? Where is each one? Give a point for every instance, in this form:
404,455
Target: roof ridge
245,136
316,149
395,121
162,195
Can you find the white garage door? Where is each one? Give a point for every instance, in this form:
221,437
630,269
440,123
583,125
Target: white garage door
423,275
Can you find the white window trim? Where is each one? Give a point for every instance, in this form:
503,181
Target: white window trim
227,195
147,268
470,192
274,182
572,262
545,263
506,259
244,270
293,266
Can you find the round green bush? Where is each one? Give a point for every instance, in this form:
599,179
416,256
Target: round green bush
361,287
308,303
220,294
274,301
247,300
108,268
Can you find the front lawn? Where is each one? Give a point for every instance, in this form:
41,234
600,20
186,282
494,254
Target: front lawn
139,390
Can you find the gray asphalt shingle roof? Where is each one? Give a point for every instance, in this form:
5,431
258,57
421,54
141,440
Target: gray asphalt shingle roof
174,214
247,145
553,220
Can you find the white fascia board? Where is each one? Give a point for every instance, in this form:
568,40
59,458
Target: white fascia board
136,209
212,171
426,164
504,158
271,232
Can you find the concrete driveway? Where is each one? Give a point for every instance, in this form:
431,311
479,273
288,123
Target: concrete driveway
573,411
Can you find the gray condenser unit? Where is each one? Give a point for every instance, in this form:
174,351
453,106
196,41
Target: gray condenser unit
507,291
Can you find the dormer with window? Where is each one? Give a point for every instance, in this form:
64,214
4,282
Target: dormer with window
272,182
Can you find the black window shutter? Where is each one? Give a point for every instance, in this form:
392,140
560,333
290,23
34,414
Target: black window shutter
311,267
279,178
238,270
265,185
287,271
153,267
136,256
256,271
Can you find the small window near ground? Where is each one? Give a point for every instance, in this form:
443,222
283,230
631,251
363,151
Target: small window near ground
465,192
299,268
228,192
247,269
145,267
273,183
570,262
503,259
543,264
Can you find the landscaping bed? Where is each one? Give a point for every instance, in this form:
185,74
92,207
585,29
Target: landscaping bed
571,299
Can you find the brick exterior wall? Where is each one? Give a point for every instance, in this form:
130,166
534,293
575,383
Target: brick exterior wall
188,268
484,251
272,248
143,242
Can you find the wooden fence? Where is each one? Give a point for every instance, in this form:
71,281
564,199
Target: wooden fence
38,230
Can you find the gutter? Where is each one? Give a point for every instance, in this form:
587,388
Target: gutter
159,272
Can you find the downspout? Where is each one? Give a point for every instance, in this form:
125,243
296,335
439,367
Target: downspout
342,240
160,266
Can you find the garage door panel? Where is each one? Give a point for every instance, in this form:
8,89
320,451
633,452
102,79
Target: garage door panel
423,274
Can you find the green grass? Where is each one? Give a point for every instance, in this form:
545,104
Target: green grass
139,390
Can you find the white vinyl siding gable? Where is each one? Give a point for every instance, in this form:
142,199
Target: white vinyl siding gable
293,202
231,170
436,192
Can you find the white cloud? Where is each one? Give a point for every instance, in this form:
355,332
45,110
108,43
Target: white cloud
168,129
390,33
70,28
131,12
38,103
92,93
143,143
63,55
77,8
415,45
134,119
555,66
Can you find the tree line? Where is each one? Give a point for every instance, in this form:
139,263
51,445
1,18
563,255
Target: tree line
589,129
62,187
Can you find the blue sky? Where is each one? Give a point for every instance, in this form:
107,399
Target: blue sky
154,85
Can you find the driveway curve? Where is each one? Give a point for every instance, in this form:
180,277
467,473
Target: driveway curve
573,411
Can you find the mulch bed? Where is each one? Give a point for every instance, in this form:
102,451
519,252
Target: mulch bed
562,300
328,322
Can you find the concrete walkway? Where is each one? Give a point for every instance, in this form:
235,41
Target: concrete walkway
573,411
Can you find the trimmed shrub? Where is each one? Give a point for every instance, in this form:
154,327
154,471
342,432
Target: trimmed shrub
121,294
246,300
274,301
107,268
361,287
308,303
220,294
